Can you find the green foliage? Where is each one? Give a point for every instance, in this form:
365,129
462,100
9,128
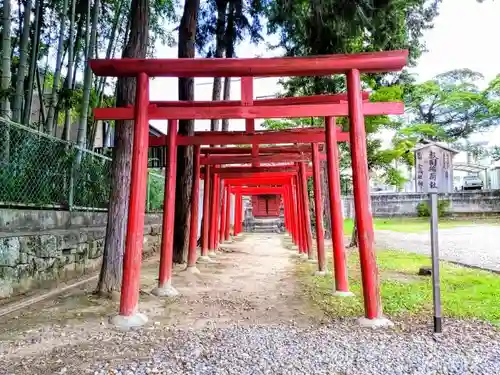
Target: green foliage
466,293
424,210
418,225
340,26
36,171
155,192
495,153
453,102
40,171
161,12
293,123
246,15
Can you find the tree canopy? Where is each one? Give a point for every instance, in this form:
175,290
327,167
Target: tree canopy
453,103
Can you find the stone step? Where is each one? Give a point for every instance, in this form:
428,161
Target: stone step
265,230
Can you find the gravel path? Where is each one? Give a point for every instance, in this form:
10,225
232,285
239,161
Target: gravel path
261,325
474,245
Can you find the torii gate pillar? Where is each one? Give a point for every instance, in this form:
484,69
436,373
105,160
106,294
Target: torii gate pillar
337,219
205,240
129,315
165,288
364,222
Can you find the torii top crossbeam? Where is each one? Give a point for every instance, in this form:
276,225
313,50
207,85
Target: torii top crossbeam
371,62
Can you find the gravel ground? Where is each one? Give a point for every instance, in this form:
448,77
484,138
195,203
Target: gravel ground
328,350
271,332
475,245
285,349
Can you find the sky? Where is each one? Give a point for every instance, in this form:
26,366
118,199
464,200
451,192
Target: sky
464,36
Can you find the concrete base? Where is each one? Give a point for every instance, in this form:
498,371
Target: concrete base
338,293
193,270
204,259
126,323
166,290
294,248
320,273
304,256
212,253
375,323
296,255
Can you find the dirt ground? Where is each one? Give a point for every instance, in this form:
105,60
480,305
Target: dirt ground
250,282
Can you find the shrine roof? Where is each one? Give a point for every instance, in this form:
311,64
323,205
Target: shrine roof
430,143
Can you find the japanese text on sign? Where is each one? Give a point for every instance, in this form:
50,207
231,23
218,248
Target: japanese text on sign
433,160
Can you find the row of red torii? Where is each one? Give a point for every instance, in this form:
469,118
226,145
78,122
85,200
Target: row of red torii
288,180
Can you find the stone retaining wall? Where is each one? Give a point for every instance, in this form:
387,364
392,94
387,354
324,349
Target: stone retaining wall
38,249
405,204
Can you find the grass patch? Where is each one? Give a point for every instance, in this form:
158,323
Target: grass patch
415,225
466,293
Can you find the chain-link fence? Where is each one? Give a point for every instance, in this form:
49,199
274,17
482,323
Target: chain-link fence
38,170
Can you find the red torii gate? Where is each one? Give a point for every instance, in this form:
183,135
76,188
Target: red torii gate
236,176
142,69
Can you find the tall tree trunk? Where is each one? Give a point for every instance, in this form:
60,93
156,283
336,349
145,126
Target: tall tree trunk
40,86
101,81
33,64
78,47
107,134
186,49
229,39
112,264
125,37
17,101
219,52
109,50
5,85
88,27
51,120
69,76
6,50
87,80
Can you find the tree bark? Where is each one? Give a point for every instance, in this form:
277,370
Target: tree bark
78,47
40,87
112,37
6,50
33,64
219,52
87,79
229,42
186,49
69,75
51,119
112,264
17,102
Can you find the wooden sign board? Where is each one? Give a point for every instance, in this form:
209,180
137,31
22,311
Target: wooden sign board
434,169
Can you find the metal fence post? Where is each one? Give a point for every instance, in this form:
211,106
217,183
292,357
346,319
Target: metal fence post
71,185
71,190
436,288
